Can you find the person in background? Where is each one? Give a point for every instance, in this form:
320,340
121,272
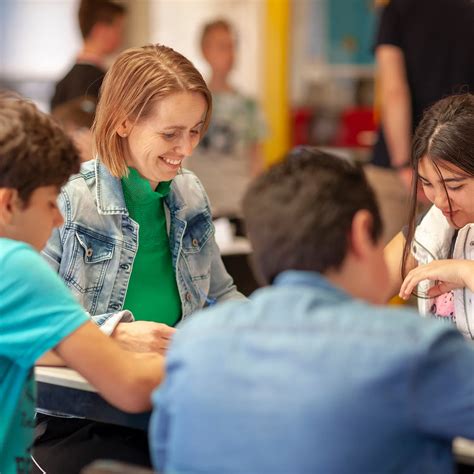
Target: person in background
101,23
76,116
231,152
436,252
37,313
312,374
137,247
424,51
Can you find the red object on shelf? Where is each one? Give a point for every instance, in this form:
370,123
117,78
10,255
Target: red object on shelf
301,121
357,128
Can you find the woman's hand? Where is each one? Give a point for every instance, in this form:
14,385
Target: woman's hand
448,275
144,336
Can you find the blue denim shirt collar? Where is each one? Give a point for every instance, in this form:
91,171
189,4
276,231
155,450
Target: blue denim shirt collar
325,289
110,198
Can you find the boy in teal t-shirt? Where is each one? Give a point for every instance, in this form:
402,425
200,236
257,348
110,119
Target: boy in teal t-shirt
37,313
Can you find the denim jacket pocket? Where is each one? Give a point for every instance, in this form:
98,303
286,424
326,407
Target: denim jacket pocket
196,250
91,257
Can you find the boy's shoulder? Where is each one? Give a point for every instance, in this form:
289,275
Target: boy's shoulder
350,318
12,250
20,260
20,264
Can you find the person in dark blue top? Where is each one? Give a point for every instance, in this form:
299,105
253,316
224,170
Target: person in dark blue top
313,374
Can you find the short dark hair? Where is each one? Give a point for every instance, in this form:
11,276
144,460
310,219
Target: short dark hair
299,213
34,151
92,12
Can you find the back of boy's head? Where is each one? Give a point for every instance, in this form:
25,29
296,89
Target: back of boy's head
92,12
34,150
299,213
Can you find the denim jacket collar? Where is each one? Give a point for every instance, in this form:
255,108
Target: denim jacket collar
324,289
175,200
110,199
109,191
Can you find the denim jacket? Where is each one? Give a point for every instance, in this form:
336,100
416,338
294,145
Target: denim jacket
94,250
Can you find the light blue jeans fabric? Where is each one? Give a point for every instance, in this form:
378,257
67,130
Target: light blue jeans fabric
302,378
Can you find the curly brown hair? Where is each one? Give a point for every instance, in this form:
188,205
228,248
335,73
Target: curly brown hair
34,151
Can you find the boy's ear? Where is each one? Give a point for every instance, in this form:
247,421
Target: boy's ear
9,201
361,234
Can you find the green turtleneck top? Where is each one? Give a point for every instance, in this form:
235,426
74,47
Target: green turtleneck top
152,293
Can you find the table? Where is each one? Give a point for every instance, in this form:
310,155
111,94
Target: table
64,391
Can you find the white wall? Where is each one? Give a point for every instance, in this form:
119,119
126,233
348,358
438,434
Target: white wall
40,38
178,24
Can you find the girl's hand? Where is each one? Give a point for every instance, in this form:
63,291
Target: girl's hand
448,275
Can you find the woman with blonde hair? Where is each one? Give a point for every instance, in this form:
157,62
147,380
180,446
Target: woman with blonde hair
137,246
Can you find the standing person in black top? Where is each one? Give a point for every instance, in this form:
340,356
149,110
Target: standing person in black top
101,23
424,51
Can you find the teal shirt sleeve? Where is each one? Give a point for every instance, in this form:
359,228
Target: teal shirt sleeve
36,309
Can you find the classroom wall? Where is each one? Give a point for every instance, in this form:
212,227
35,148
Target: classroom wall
38,40
38,37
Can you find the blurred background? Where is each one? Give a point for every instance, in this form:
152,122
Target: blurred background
309,63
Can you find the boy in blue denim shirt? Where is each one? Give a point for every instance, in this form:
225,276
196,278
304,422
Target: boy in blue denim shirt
37,312
313,374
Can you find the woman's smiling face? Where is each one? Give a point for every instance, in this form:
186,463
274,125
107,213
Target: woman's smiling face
159,143
454,186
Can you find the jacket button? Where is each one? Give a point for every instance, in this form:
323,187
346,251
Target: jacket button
115,306
188,296
195,242
89,252
125,266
